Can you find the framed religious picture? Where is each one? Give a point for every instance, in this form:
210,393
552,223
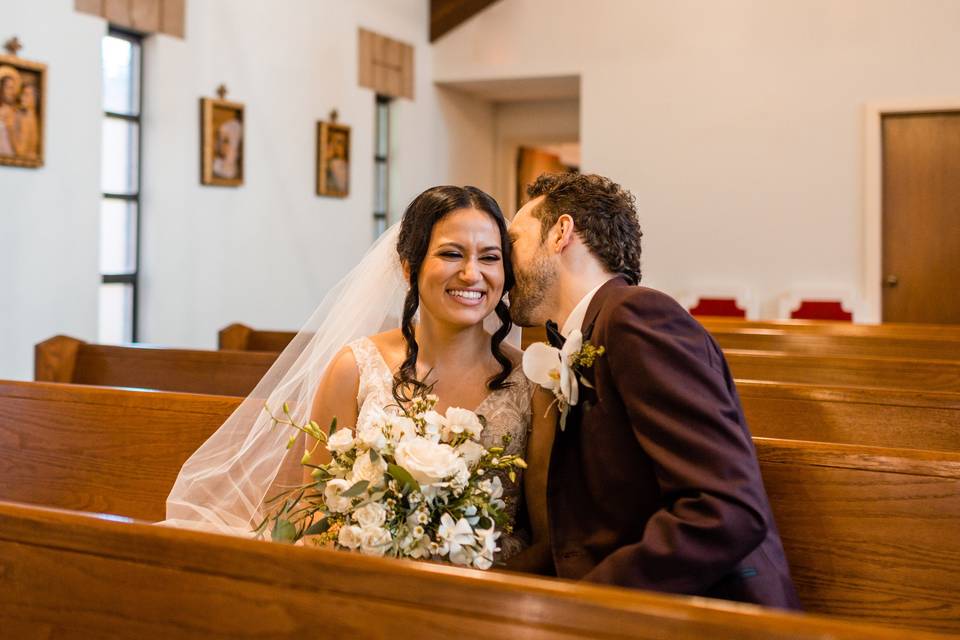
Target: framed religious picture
221,146
333,158
23,92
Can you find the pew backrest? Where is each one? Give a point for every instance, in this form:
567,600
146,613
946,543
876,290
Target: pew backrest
96,449
65,359
848,371
240,337
838,345
869,532
852,415
134,580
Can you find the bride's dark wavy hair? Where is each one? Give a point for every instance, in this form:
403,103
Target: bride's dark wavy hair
419,219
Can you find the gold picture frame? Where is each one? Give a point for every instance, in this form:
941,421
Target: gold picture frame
23,108
333,159
222,142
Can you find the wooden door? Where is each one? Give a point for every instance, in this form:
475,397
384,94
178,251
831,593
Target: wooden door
921,217
531,164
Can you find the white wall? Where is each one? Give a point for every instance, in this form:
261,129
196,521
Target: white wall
266,252
263,253
49,217
737,124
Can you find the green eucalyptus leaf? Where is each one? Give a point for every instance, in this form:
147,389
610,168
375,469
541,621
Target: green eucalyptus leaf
283,531
317,528
356,489
401,475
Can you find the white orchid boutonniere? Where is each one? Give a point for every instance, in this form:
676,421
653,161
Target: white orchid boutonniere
560,371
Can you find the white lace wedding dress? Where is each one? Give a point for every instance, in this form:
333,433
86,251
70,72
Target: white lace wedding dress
507,412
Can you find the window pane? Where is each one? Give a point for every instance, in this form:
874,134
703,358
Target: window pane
119,162
380,188
383,129
118,236
116,313
121,65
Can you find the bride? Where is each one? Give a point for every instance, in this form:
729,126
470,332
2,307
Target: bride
425,307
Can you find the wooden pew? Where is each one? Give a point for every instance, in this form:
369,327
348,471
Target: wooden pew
838,345
244,338
852,415
65,359
69,575
98,449
849,371
870,532
826,327
240,337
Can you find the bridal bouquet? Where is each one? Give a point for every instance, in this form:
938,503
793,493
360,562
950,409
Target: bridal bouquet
414,485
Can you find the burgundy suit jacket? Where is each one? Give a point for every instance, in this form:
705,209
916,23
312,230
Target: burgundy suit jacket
654,484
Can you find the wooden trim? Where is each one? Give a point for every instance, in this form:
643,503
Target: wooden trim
447,15
93,7
173,18
873,194
286,589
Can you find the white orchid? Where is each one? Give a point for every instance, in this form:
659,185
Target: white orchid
552,369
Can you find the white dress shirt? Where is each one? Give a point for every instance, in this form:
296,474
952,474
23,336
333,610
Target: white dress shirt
575,319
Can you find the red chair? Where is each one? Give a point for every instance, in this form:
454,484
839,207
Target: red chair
821,310
718,307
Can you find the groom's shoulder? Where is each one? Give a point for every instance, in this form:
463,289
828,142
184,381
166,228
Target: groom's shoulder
636,306
644,301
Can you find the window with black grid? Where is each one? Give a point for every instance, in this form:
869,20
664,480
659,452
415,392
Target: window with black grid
120,183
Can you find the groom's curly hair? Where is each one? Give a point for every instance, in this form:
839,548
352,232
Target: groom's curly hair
604,216
421,216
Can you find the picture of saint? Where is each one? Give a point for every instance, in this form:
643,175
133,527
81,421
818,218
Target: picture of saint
226,155
333,159
20,113
337,166
222,137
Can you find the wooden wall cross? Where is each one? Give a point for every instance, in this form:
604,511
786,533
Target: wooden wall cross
13,45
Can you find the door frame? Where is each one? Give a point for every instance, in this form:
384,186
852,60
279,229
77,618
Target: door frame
873,194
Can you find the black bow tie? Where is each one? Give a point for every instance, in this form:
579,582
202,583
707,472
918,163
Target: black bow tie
554,337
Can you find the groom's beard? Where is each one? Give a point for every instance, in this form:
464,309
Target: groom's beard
529,294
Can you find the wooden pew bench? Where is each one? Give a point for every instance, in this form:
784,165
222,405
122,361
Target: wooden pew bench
852,415
234,373
833,345
68,575
99,449
870,533
832,328
240,337
852,371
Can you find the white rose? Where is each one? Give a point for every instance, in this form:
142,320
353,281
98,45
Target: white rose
372,436
340,441
471,452
463,421
350,536
428,462
402,427
331,495
365,469
370,515
374,541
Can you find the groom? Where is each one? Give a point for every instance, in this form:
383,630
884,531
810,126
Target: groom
653,481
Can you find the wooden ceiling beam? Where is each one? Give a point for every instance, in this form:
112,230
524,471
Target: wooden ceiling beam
447,15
